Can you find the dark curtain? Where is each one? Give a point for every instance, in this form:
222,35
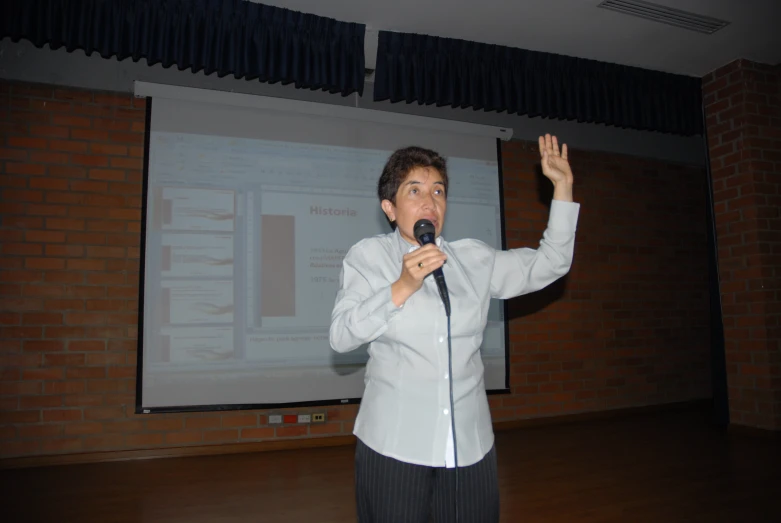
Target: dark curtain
227,37
457,73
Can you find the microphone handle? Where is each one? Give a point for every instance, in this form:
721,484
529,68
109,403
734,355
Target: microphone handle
439,277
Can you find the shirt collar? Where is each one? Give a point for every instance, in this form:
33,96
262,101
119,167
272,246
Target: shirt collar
404,247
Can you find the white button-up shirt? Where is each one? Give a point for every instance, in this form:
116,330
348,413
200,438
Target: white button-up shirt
405,410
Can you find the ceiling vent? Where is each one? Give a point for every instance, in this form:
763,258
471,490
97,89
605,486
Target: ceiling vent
665,15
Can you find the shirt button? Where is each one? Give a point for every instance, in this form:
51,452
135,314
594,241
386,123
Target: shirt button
446,375
441,339
446,412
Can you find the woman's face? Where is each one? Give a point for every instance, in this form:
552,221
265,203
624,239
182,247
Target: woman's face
420,195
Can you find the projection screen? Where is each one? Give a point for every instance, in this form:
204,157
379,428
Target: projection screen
251,204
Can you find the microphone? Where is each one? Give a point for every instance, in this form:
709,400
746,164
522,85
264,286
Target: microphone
424,232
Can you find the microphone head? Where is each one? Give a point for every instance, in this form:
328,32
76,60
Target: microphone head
424,231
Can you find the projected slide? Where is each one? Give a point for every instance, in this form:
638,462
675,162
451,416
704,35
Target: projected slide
245,238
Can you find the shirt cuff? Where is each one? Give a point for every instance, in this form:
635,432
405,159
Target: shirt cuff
563,216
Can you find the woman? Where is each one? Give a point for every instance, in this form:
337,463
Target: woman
404,462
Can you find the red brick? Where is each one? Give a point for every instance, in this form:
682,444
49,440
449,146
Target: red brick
127,138
63,277
45,290
130,113
29,169
126,163
105,252
239,420
45,263
104,413
64,387
106,279
87,238
122,372
42,318
71,121
22,249
62,414
114,100
83,400
44,430
44,345
292,431
20,388
45,236
49,131
18,155
183,437
43,374
84,427
70,146
88,186
22,195
124,426
143,440
111,149
16,182
202,422
113,175
67,171
46,209
85,372
65,360
325,429
85,264
23,222
86,345
165,425
93,135
48,157
64,250
103,359
258,433
26,142
87,212
220,436
10,318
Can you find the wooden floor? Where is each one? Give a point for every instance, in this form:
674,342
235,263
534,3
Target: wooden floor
665,467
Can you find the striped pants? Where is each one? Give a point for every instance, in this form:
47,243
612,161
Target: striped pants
391,491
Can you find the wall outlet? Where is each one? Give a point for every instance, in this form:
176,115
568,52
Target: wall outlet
275,418
304,418
318,417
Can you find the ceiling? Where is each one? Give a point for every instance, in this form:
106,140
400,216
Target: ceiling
574,28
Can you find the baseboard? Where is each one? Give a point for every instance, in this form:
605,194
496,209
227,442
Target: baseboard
581,417
175,452
332,441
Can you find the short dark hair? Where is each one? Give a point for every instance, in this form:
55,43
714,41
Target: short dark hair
399,165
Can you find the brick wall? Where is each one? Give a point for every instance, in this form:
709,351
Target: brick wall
628,327
743,109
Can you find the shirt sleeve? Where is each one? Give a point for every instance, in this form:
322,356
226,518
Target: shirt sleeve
361,313
524,270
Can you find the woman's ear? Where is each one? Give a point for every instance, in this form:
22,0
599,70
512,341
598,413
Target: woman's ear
388,209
